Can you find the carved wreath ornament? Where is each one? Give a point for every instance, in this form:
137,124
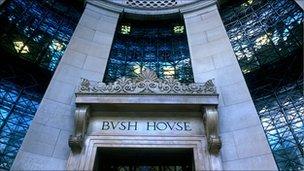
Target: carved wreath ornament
146,83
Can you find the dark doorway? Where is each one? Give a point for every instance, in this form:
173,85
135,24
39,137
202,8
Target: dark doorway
144,159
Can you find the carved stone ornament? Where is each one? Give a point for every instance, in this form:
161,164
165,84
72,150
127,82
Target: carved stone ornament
146,83
81,123
210,115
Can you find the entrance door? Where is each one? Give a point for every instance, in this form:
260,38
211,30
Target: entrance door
144,159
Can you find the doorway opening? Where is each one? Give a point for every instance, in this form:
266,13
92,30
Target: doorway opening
144,159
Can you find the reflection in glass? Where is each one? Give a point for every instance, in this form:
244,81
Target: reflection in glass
267,38
160,46
32,33
37,30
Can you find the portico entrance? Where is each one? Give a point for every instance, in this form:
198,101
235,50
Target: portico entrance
145,125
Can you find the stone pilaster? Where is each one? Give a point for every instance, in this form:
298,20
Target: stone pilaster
244,144
45,146
300,3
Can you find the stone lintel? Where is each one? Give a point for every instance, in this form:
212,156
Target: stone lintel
146,99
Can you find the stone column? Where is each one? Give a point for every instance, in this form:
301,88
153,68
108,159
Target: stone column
244,144
45,146
300,3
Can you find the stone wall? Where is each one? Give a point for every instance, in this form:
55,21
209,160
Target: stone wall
46,143
244,143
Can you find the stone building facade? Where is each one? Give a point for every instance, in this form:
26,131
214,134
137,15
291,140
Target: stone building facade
218,120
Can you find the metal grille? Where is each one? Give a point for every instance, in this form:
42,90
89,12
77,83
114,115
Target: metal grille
282,116
37,31
19,100
263,31
160,46
151,3
266,36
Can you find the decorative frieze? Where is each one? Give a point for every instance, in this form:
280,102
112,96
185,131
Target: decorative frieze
146,83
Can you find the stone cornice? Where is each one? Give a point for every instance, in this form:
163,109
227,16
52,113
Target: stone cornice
184,8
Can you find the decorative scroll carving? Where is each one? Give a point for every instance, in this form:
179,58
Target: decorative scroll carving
81,122
146,83
212,131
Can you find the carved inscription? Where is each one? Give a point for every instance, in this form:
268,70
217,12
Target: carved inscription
148,126
173,126
119,125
